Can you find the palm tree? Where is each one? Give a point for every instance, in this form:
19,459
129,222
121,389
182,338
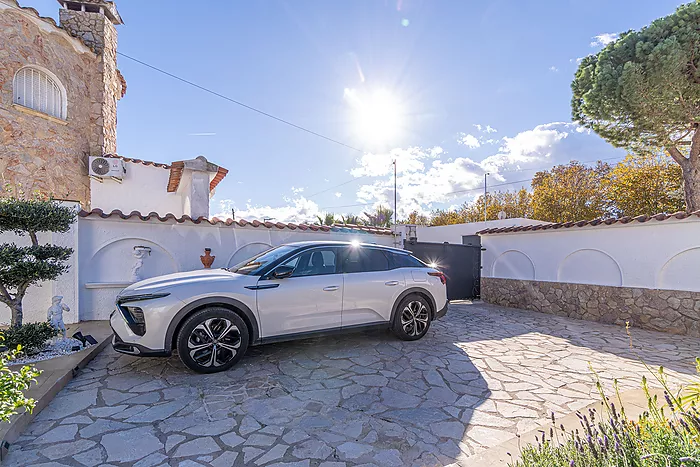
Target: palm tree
351,219
327,219
382,217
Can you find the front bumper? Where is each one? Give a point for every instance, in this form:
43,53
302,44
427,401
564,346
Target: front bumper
124,337
442,312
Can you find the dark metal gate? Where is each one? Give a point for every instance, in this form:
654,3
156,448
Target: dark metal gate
460,263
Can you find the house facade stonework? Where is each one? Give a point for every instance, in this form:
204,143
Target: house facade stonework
47,151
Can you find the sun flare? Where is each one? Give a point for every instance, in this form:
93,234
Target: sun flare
377,115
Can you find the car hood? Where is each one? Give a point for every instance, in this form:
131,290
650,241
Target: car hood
181,279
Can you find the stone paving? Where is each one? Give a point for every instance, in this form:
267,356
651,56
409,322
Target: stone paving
481,375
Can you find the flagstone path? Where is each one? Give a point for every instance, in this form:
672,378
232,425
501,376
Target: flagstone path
480,376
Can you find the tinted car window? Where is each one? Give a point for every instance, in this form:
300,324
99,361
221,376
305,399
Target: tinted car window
375,260
315,262
365,260
257,263
399,260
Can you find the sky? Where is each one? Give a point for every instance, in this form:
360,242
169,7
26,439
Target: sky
451,90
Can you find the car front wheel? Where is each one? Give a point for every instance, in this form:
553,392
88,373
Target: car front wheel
412,318
212,340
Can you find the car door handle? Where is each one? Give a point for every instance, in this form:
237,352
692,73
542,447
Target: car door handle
392,283
331,288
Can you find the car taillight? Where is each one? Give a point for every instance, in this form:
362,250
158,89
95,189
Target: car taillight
442,277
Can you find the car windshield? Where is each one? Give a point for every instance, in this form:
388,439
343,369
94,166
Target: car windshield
255,264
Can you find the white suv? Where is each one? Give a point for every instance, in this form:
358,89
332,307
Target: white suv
292,291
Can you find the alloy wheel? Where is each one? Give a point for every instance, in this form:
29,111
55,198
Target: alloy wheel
414,318
214,342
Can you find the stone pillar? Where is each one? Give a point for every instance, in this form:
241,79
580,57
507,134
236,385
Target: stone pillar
97,30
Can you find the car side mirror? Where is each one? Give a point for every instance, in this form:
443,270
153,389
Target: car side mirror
282,272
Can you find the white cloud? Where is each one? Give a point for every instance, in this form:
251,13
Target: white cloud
554,69
468,140
297,210
601,40
431,181
485,128
419,189
427,177
527,147
297,191
407,160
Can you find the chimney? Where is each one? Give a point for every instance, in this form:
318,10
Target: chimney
196,181
94,21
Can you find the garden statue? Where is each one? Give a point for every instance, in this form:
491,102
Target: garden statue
207,259
140,253
55,314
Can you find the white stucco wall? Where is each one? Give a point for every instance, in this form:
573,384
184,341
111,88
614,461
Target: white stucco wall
143,188
38,298
453,233
103,259
106,251
655,254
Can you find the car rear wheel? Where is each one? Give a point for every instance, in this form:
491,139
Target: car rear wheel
412,318
212,340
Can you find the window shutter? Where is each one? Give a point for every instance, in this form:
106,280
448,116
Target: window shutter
37,90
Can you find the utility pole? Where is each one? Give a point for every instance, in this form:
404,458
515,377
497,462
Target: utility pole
485,192
395,210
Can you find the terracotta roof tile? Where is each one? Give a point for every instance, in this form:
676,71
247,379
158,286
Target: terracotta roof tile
592,222
122,81
176,169
242,222
220,174
138,161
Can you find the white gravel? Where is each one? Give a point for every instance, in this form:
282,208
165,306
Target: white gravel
56,347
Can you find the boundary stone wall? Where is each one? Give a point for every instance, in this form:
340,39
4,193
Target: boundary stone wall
672,311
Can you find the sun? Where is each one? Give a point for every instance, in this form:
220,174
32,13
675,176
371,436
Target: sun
377,115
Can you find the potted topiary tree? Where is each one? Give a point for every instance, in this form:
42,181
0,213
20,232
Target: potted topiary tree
22,266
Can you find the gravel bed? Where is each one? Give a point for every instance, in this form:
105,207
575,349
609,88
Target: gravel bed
57,347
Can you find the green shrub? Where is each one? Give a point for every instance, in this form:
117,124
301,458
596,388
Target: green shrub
30,337
12,385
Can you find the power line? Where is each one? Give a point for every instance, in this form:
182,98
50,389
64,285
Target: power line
336,186
347,206
234,101
239,103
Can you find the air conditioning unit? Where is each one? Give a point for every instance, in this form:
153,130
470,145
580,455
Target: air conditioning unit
106,167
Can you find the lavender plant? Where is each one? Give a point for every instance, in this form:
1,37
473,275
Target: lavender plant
666,435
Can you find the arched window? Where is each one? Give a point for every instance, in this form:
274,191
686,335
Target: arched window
40,90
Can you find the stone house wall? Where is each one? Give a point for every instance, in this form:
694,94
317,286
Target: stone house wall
673,311
39,152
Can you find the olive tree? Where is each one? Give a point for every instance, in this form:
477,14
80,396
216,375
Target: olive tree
643,91
22,266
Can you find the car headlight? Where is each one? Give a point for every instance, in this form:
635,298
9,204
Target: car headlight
140,297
